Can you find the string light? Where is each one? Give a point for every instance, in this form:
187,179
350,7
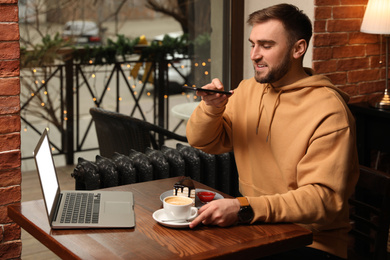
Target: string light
203,64
42,104
120,99
93,76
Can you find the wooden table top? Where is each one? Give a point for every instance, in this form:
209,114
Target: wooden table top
150,240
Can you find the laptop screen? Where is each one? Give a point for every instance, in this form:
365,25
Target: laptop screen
46,171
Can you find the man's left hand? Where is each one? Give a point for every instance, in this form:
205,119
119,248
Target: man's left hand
221,213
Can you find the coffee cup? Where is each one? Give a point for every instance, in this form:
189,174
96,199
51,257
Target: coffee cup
177,207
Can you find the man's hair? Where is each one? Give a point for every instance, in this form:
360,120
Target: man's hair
296,23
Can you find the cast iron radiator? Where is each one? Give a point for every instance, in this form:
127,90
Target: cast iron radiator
217,171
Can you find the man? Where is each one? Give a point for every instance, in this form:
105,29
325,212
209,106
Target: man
292,134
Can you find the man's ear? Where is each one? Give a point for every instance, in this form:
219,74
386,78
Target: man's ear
299,48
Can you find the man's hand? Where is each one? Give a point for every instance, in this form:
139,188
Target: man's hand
221,213
214,99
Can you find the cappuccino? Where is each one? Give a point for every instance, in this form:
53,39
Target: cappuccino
178,200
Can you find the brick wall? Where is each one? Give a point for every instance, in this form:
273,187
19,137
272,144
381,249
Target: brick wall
350,58
10,175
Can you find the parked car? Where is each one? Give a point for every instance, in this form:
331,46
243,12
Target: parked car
82,33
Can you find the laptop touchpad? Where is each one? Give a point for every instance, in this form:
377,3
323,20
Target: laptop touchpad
118,207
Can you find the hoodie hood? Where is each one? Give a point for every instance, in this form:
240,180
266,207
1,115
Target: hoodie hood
311,81
314,81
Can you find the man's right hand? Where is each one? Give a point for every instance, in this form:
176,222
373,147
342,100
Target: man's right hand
214,99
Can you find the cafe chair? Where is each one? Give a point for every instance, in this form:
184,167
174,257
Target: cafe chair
370,216
120,133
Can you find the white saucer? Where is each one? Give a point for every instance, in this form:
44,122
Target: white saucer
160,215
198,203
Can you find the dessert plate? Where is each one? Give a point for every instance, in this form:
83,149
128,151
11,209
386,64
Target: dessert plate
160,217
198,203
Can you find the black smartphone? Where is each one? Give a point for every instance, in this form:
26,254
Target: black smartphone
207,90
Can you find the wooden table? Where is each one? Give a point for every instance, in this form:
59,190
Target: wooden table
150,240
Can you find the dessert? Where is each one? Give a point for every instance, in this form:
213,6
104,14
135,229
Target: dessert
184,188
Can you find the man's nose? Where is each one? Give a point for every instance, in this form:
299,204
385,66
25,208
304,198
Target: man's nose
256,53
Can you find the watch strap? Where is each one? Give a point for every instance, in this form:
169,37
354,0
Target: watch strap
243,201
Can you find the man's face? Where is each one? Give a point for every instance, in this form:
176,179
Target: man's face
270,53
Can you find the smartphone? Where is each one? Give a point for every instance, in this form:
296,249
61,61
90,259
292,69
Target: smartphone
207,90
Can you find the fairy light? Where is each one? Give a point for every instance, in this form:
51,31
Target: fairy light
43,82
120,99
93,76
45,92
90,61
108,89
196,64
36,82
94,99
148,94
42,104
128,65
165,96
34,71
206,73
32,94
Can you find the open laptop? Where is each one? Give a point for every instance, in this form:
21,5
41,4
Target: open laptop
80,209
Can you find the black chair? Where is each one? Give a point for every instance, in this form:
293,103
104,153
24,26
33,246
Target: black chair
121,133
370,216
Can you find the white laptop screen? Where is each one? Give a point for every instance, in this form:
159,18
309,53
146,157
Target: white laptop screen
46,172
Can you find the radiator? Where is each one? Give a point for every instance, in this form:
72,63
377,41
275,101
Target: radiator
217,171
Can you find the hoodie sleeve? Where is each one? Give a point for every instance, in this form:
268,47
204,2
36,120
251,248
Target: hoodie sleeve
209,129
326,177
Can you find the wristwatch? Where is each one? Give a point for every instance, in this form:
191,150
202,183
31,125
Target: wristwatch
245,214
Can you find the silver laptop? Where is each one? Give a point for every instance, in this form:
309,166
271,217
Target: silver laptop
80,209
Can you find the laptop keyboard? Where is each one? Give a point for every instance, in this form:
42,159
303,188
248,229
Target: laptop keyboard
81,208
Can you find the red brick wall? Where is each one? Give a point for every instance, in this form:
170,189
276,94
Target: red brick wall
10,175
350,58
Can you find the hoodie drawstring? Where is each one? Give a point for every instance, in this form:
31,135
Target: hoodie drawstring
277,101
265,90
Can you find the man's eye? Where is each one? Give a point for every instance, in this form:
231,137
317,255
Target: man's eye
267,46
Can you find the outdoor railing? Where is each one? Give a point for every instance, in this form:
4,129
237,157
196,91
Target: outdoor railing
59,97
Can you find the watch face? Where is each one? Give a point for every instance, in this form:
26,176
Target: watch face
245,215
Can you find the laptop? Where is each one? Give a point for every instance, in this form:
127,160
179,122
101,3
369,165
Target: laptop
79,209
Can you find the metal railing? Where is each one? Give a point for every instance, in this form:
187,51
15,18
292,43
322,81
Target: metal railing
60,96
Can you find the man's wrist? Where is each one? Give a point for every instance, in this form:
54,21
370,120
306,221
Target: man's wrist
245,214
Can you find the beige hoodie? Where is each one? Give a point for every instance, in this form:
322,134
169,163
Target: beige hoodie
295,152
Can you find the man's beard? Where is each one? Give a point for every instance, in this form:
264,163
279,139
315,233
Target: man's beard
276,73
